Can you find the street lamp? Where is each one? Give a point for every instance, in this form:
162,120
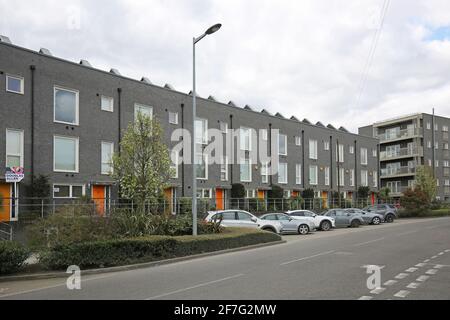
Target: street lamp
211,30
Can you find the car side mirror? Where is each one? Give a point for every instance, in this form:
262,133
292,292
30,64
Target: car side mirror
254,219
290,219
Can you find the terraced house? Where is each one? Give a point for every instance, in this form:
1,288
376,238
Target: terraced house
65,120
410,141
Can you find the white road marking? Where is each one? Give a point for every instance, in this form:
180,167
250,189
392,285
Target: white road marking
440,253
377,290
3,289
412,269
367,242
405,233
306,258
195,287
420,265
440,266
413,285
427,260
422,278
447,250
401,276
390,282
433,227
433,257
431,271
365,298
401,294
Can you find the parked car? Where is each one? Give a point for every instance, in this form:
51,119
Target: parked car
323,223
344,218
240,218
387,211
291,225
368,217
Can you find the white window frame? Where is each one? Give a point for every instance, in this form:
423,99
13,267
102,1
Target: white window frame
202,193
341,177
352,177
340,148
111,101
315,177
244,162
428,125
281,136
429,144
436,145
445,128
174,166
70,185
313,149
250,193
111,145
265,172
326,145
374,153
223,126
77,154
264,134
245,132
22,83
298,173
205,159
204,136
21,154
365,181
375,179
224,169
287,194
298,141
175,115
142,106
283,180
77,105
364,156
351,149
326,173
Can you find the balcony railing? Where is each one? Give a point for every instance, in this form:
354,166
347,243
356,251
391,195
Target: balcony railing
398,190
389,172
403,152
401,134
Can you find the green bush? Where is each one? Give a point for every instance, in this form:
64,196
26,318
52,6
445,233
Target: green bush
12,256
149,248
405,213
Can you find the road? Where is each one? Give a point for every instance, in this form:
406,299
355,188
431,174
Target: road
414,256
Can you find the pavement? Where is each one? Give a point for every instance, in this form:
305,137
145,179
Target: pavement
412,256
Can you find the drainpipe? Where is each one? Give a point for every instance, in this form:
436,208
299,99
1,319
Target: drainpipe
32,68
232,150
303,159
338,173
270,152
182,165
331,168
119,107
356,170
434,147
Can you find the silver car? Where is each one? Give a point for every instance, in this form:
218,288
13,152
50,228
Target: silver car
368,217
345,219
290,225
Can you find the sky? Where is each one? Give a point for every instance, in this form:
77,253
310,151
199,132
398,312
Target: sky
349,63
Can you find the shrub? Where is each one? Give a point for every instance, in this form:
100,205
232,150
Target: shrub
149,248
276,192
12,256
415,201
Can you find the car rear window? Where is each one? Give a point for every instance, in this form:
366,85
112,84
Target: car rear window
229,215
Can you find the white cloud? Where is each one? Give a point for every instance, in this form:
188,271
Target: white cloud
302,58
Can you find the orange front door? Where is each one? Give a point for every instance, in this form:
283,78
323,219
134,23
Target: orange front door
219,199
168,194
261,194
98,195
5,207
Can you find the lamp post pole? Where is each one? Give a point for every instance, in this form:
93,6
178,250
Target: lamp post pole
211,30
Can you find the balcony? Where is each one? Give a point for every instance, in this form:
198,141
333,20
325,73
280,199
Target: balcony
402,153
447,190
399,135
395,172
397,191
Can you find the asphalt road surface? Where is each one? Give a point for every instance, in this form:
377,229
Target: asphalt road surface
414,257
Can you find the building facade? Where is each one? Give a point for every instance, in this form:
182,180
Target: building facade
65,120
408,142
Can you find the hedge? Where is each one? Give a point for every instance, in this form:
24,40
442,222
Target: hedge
12,256
150,248
424,213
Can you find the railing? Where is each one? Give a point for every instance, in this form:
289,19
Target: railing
403,152
398,190
6,232
388,172
401,134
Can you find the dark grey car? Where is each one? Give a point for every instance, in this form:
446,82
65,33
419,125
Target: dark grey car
368,217
387,211
344,218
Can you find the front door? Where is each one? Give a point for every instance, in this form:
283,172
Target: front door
220,199
99,198
5,203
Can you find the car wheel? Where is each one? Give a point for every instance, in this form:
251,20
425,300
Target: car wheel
389,218
355,224
303,229
325,226
376,221
269,230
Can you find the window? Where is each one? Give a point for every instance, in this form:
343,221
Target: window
340,150
326,145
445,146
436,145
204,193
107,154
364,179
341,173
445,128
429,125
429,144
313,149
65,154
245,139
374,153
313,175
66,105
364,156
352,177
375,179
429,162
298,173
14,84
201,131
174,165
244,216
446,163
282,144
264,134
351,149
265,172
223,126
246,170
447,182
282,173
224,169
173,117
436,127
327,176
201,161
437,182
286,194
107,104
250,193
14,148
68,191
437,164
144,110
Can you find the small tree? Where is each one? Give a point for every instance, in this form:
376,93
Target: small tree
142,167
426,182
415,201
40,188
384,194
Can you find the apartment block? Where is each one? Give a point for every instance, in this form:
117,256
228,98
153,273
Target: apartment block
65,120
410,141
